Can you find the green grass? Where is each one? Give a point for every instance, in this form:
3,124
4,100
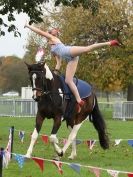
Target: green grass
117,157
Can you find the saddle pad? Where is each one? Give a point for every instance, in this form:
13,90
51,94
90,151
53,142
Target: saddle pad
83,87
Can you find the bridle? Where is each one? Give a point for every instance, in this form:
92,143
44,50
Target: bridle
44,88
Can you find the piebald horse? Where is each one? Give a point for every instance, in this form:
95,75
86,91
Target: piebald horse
55,100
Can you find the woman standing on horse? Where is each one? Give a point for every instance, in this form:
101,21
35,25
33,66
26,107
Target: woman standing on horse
70,54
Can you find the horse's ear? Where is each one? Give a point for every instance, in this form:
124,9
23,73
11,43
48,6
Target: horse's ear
28,66
42,64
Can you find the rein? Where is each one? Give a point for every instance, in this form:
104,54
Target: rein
42,90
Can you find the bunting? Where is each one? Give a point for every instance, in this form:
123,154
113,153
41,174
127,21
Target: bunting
21,135
20,159
40,162
75,167
117,142
130,142
91,143
58,164
7,151
64,141
45,139
78,141
96,171
113,173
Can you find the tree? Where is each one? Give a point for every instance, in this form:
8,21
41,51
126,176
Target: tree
115,65
34,9
13,74
109,69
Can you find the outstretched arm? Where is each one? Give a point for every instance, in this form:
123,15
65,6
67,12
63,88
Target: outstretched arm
38,31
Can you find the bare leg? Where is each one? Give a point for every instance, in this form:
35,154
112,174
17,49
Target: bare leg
58,62
70,72
77,50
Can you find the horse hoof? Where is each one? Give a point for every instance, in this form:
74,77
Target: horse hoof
71,157
28,156
60,154
56,158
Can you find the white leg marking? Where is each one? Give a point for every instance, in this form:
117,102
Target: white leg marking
72,136
73,153
33,140
53,138
54,141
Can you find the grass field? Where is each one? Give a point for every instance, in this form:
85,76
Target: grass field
117,157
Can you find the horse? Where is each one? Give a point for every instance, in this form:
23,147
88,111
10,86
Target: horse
55,100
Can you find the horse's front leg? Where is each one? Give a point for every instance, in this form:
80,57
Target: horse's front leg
53,138
71,138
39,121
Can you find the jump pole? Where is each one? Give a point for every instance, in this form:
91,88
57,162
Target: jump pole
12,139
1,160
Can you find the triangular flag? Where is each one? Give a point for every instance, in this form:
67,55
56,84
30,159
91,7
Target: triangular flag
20,159
130,142
90,143
117,142
75,167
21,135
6,159
113,173
45,139
7,153
64,141
40,162
78,142
130,174
96,171
58,164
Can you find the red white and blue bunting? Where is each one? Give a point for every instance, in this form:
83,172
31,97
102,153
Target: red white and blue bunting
21,159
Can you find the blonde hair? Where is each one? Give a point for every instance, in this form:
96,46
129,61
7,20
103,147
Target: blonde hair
57,29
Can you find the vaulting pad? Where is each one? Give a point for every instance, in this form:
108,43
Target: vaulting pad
84,88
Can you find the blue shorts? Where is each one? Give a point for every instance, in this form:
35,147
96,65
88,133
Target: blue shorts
62,51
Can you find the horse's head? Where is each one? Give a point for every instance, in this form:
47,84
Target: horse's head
39,73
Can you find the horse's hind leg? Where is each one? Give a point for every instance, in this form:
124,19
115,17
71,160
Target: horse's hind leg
71,137
39,121
74,152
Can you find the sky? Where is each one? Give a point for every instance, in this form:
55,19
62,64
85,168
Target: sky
10,45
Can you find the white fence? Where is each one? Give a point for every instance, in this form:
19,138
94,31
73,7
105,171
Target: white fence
28,108
123,110
18,108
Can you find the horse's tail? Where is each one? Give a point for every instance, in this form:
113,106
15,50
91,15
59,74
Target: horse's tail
99,125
